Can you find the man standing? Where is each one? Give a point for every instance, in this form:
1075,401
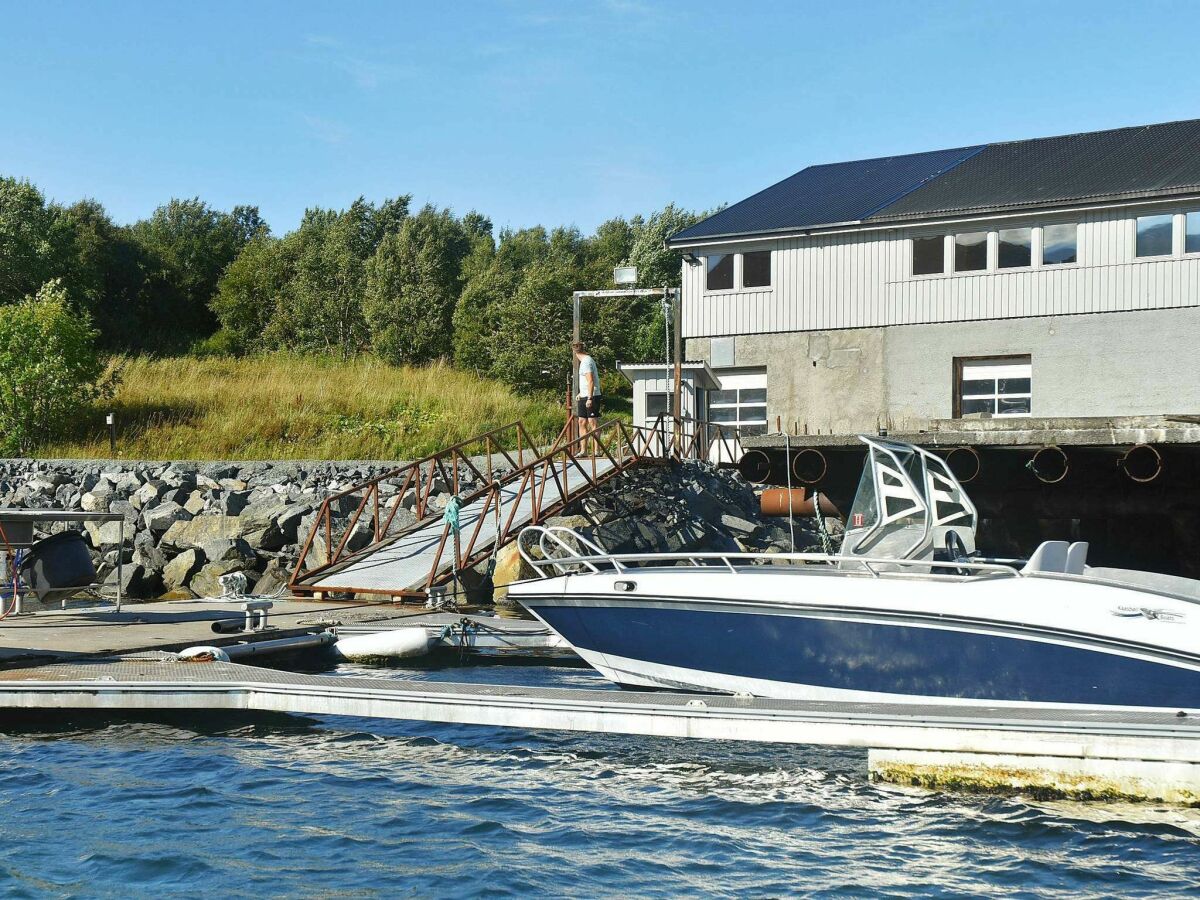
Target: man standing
587,404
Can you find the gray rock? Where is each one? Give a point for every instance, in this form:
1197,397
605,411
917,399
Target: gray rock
41,486
738,524
97,499
180,570
125,508
107,534
273,580
132,578
233,503
195,503
152,559
147,494
202,530
160,518
224,551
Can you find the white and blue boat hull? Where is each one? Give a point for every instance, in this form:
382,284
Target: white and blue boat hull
832,636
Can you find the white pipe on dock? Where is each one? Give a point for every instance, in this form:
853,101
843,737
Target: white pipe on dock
259,648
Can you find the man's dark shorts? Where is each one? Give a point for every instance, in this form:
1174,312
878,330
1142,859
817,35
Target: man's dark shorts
582,410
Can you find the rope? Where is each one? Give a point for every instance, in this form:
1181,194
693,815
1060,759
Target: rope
822,530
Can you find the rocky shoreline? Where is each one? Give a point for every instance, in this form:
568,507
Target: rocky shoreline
188,524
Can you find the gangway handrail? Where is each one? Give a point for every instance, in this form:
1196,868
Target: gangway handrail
615,443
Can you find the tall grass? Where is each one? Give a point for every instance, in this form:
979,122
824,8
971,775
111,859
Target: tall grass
289,407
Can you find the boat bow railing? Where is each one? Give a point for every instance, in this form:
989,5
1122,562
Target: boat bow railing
556,556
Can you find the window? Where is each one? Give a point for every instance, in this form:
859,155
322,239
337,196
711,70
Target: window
970,251
657,404
1059,244
929,256
1191,237
741,402
720,272
1015,250
1155,235
756,269
995,386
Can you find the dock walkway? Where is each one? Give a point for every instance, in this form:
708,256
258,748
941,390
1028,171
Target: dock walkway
1142,754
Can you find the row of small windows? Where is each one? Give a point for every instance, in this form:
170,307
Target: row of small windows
1014,250
755,268
1156,234
1059,245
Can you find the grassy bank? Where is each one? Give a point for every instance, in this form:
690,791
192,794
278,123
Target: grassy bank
286,407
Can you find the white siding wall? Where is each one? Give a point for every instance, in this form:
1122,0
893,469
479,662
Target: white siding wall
861,279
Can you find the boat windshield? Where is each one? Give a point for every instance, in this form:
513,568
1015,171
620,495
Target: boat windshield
906,504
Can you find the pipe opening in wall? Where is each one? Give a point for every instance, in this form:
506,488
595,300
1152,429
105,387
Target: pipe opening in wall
809,466
755,466
1142,463
1050,465
964,463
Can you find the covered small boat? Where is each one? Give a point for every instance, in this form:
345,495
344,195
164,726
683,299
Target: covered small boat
908,610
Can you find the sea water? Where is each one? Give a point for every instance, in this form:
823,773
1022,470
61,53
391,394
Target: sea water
330,806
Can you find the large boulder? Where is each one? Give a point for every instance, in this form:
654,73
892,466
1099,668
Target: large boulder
201,530
510,567
106,535
274,579
163,517
147,494
98,498
132,579
179,571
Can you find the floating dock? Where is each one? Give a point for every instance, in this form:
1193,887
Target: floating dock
1045,750
56,636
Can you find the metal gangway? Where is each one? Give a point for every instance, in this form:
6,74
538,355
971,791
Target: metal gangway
357,545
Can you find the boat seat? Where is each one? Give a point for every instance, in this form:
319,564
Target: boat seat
1077,558
1050,556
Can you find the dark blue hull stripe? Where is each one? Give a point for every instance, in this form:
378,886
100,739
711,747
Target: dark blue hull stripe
872,656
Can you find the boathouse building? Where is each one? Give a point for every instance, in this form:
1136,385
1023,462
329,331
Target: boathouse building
1055,277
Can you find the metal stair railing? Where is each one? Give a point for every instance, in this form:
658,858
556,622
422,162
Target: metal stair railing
613,447
511,443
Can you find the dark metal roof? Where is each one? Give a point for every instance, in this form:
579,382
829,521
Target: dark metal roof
820,195
1118,164
1122,163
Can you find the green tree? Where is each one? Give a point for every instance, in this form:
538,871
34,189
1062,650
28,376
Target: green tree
106,274
33,240
529,344
52,371
190,244
412,287
251,291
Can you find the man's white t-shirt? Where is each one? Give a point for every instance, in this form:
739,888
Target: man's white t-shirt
586,365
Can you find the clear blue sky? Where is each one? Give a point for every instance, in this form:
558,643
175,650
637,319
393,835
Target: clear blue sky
550,112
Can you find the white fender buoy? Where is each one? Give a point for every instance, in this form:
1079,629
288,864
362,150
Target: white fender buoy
203,654
395,643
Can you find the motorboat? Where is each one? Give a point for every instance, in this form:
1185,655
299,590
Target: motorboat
907,610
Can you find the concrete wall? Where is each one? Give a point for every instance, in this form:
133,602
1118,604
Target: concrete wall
1107,364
